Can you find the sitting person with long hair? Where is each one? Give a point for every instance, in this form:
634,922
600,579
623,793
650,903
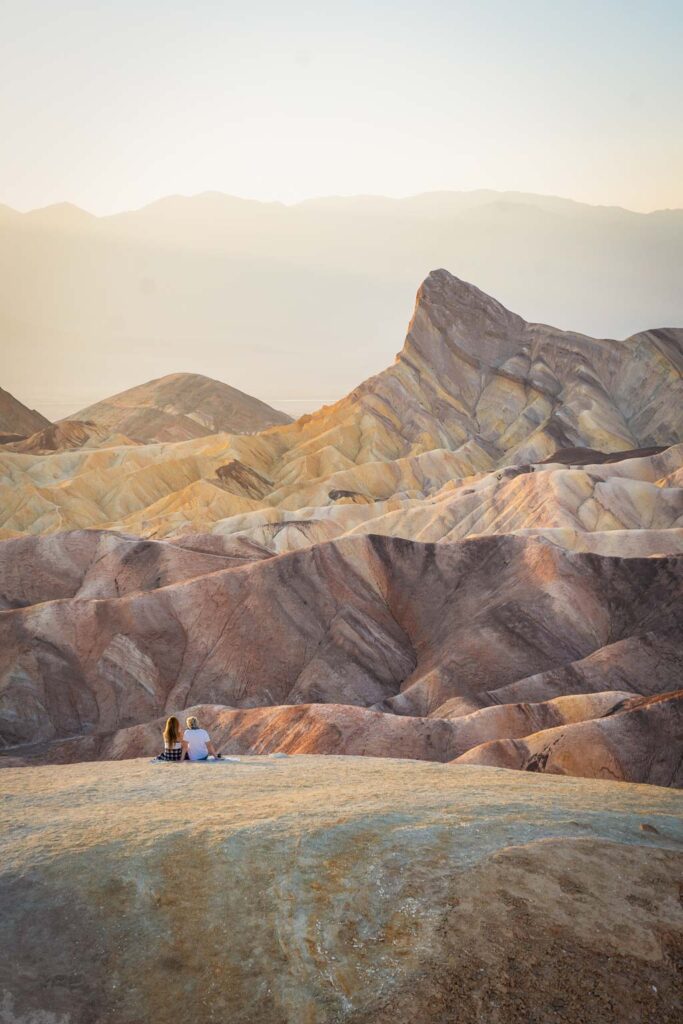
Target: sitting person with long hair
175,747
197,741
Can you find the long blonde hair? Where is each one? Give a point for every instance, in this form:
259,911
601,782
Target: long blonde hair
172,730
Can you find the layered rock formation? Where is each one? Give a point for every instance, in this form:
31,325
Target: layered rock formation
604,735
433,632
476,548
474,388
638,739
630,507
179,407
97,564
336,889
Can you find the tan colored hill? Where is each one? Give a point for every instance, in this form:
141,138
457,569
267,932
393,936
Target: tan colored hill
630,507
474,389
181,406
336,889
16,420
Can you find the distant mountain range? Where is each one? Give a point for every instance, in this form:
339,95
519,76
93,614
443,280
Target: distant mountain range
295,304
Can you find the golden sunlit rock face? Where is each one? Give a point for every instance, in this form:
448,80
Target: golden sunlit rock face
319,889
476,555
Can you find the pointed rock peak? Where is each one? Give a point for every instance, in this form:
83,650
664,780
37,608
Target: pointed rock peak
442,290
450,312
442,282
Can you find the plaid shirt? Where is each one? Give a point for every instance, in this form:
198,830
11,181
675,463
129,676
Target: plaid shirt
171,754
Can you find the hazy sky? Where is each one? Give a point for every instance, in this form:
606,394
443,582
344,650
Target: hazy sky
113,104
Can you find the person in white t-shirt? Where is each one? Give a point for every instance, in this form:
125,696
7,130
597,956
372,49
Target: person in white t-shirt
199,744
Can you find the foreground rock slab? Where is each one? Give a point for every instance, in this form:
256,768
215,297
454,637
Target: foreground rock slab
309,890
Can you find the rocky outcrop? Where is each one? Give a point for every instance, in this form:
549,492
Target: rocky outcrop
639,740
304,297
591,457
336,889
179,407
402,572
